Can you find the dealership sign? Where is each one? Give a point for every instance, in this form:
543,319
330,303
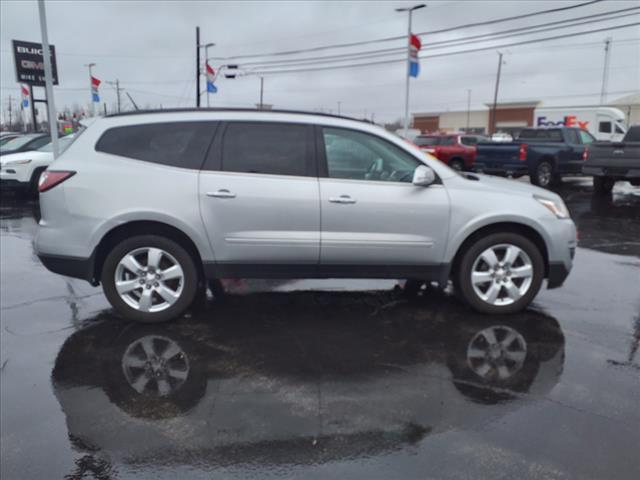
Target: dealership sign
30,63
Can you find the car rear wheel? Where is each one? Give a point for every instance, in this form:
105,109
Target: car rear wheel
603,185
457,164
149,278
543,175
500,273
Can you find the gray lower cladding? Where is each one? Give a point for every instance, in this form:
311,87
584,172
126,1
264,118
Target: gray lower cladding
83,268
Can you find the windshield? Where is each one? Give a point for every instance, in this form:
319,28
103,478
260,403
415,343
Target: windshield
16,143
63,144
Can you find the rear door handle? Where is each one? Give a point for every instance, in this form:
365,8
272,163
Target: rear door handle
344,199
223,193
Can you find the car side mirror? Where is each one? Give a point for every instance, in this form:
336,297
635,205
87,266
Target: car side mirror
423,176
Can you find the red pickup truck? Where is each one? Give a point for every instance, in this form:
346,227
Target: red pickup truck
456,150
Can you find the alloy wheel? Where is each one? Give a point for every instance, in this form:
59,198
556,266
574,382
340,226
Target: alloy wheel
502,274
149,279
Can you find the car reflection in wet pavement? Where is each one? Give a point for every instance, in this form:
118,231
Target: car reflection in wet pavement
315,379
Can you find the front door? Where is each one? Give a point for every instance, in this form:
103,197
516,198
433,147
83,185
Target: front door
259,196
371,212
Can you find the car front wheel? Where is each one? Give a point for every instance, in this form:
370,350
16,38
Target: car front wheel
149,278
500,273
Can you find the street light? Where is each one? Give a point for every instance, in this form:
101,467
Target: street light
406,94
206,62
91,65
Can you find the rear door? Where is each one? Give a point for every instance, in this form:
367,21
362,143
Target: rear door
572,155
259,197
375,216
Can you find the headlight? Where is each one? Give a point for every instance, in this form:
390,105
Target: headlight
16,162
557,207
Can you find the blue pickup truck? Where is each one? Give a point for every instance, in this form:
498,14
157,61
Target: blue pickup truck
545,154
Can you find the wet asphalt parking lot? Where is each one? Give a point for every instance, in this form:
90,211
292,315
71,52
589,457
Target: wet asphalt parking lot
327,379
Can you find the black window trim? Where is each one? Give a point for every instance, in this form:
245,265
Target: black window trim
213,161
323,167
198,167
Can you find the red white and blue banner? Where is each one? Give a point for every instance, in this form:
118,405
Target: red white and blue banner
25,96
414,48
211,77
95,83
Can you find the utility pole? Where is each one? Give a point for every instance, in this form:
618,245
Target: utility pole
91,65
34,117
261,91
468,108
605,71
48,75
495,95
118,89
198,67
406,93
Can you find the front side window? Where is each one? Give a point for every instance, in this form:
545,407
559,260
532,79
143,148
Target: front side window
268,148
604,127
178,144
586,137
619,129
360,156
448,141
469,141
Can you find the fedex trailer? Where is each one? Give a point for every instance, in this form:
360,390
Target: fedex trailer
604,123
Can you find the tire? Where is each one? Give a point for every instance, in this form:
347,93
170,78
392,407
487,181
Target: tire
33,183
507,287
151,307
603,185
543,175
456,164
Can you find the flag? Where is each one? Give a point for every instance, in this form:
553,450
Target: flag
414,47
25,96
95,83
211,77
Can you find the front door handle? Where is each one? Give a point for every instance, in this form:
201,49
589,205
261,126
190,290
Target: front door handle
344,199
223,193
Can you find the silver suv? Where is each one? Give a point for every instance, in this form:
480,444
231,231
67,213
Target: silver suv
154,204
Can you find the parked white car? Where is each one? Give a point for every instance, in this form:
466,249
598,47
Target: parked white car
23,169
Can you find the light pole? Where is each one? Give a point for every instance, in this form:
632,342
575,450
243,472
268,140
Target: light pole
91,65
48,75
406,93
206,62
495,95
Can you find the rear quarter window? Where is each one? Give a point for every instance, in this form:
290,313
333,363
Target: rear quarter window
177,144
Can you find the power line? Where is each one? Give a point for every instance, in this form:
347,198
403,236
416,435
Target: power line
459,52
387,39
438,45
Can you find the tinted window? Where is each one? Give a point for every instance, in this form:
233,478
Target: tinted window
633,135
469,140
361,156
572,136
271,148
618,129
604,127
424,141
179,144
551,135
448,141
586,137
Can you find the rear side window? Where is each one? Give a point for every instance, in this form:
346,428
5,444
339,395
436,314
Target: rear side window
177,144
448,141
572,136
424,141
586,137
270,148
469,141
542,135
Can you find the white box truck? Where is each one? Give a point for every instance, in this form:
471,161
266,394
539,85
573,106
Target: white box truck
604,123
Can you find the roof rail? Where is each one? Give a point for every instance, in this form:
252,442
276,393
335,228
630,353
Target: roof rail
253,110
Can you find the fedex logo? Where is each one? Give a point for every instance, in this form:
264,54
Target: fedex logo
567,121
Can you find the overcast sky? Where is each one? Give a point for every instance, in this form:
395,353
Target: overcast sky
150,47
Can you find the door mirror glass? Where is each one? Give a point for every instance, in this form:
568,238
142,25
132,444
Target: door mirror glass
423,176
